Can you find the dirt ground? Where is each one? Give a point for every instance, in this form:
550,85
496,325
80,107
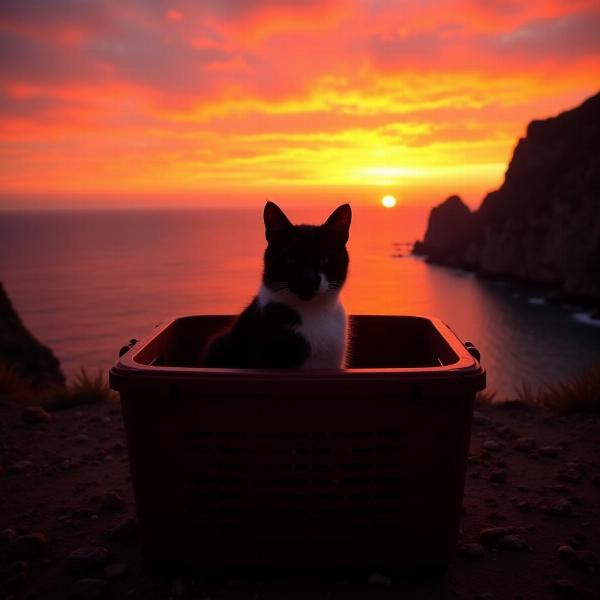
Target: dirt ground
530,528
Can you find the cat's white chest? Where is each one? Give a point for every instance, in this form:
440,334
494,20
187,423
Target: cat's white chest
325,331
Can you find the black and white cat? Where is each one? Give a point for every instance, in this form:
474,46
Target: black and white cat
296,320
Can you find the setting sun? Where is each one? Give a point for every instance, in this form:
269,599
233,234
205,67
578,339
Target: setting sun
388,201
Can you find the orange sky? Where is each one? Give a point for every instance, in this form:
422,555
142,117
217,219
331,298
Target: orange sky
143,102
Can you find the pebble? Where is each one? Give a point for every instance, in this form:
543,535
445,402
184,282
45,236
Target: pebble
493,534
379,580
7,536
480,418
549,451
498,476
525,444
472,550
15,575
596,479
112,501
81,437
86,557
30,545
89,589
561,507
569,475
585,560
115,570
491,445
35,414
124,531
179,589
568,589
513,542
21,466
524,505
565,552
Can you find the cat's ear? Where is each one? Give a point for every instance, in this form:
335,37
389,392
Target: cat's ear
276,223
338,223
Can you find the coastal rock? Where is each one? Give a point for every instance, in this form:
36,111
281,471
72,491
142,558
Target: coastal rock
449,227
543,224
20,351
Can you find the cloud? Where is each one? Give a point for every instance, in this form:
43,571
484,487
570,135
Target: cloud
223,90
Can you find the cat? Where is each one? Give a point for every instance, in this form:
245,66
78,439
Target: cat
296,320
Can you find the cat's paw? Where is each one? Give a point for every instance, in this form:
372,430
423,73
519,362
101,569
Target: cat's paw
277,313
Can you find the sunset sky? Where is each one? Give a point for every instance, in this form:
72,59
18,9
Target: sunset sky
142,102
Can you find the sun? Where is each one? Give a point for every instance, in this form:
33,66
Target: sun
388,201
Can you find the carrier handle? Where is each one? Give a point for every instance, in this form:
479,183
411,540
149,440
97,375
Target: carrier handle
127,347
473,351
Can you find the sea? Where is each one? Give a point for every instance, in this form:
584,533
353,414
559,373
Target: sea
85,282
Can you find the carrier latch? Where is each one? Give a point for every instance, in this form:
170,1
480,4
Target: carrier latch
473,351
128,347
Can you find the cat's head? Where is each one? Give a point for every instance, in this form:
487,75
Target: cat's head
309,261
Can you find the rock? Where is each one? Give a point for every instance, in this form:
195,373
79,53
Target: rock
86,558
115,571
379,580
513,542
20,351
124,531
585,560
111,501
568,589
498,476
7,536
524,505
81,438
493,534
549,451
525,444
179,589
21,466
471,550
14,576
35,414
106,420
561,507
28,546
89,589
565,552
480,419
596,479
491,445
571,475
541,224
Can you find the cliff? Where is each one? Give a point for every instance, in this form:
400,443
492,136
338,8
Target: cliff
543,224
20,351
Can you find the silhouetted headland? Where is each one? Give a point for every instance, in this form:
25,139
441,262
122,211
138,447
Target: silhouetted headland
22,352
543,224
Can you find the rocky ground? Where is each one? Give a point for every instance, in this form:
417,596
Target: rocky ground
530,526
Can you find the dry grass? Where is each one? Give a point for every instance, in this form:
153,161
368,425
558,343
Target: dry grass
85,389
580,393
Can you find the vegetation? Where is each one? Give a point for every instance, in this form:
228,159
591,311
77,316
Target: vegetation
579,393
85,389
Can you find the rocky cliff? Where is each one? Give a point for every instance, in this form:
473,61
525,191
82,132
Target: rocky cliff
543,224
22,352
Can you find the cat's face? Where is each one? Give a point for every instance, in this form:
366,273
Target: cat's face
308,260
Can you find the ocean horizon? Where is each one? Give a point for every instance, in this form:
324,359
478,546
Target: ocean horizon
85,282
